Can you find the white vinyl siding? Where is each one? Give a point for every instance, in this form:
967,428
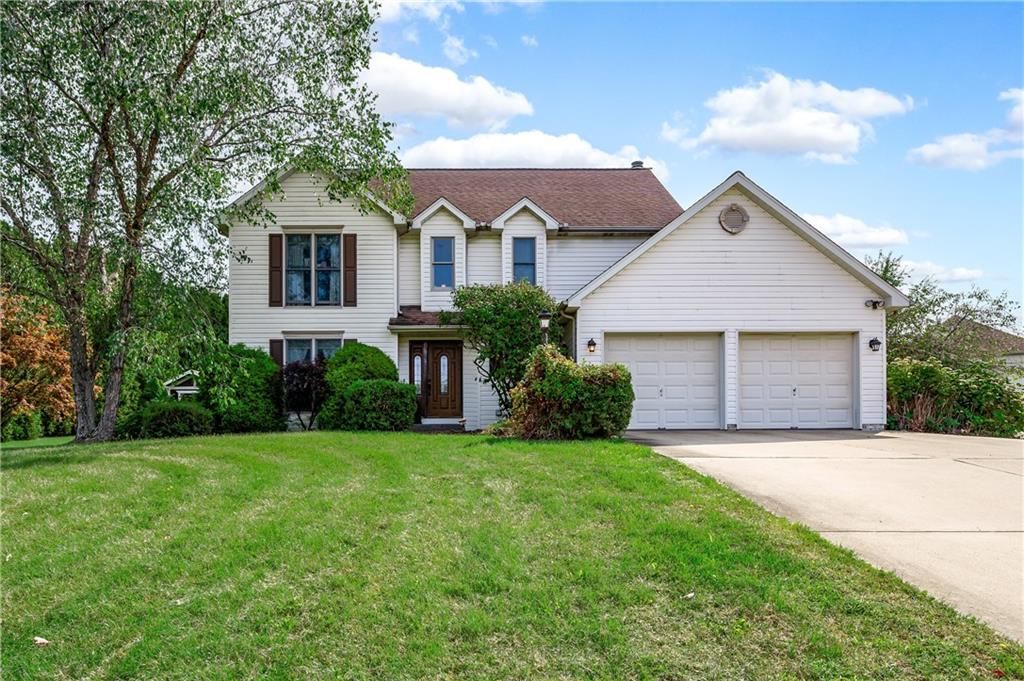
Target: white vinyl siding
484,259
766,279
409,269
573,261
524,224
304,208
441,224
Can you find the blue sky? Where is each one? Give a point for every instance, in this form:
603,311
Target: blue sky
894,126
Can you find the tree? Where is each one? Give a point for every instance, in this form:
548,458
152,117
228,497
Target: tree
34,370
946,325
500,324
305,389
127,126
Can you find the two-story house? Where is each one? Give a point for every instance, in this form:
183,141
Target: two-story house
734,313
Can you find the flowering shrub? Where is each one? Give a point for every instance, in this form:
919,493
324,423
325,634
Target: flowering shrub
559,399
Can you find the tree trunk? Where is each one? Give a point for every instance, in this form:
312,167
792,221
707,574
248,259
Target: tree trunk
83,378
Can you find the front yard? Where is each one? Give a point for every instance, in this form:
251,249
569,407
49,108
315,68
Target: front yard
410,556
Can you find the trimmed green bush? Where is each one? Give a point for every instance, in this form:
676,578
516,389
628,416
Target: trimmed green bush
980,398
379,404
559,399
174,418
241,386
352,362
23,425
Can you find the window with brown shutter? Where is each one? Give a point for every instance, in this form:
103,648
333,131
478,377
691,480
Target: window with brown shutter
276,276
277,350
349,270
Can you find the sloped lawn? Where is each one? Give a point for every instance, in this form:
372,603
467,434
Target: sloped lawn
417,556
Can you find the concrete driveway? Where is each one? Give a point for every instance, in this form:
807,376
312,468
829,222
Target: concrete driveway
944,512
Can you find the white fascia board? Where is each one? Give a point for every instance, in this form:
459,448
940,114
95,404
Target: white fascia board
468,223
549,222
892,296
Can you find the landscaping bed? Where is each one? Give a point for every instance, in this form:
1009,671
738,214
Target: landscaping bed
363,555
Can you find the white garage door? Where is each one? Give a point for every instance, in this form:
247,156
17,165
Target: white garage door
676,378
796,380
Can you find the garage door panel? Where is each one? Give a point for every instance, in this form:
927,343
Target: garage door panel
796,381
676,378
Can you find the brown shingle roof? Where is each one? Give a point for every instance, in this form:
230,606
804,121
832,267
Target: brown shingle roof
990,338
576,197
412,315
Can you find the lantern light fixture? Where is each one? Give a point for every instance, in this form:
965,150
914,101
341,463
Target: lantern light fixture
591,346
875,344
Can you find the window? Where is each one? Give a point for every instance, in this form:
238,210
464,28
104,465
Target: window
328,269
442,263
305,349
301,266
417,373
327,346
297,284
444,374
524,259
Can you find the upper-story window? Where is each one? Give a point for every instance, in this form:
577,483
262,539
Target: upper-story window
442,262
301,268
524,259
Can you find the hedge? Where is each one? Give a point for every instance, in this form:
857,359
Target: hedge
174,418
353,362
379,404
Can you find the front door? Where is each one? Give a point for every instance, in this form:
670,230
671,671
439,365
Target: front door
436,369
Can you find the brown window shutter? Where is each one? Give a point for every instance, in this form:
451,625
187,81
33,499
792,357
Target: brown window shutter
276,278
349,270
277,350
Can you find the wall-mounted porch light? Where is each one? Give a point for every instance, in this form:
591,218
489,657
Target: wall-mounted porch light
875,345
591,345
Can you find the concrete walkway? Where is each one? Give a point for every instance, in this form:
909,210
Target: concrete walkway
944,512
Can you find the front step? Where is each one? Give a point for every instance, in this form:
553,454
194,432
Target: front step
439,428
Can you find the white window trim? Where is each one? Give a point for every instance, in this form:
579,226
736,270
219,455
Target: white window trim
433,286
313,338
536,277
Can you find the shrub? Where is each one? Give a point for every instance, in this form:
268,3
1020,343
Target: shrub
379,404
174,418
979,398
559,399
22,425
353,362
305,389
242,387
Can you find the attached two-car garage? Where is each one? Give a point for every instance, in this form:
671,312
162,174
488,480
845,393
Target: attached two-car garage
783,380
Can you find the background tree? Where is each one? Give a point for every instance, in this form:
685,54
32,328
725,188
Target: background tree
500,324
942,324
127,126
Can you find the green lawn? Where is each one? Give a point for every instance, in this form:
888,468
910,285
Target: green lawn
56,441
418,556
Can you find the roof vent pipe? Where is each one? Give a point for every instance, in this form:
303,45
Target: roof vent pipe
637,164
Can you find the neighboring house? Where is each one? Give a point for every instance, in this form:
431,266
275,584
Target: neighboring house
1009,347
732,313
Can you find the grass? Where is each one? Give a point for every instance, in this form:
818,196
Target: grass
55,441
368,556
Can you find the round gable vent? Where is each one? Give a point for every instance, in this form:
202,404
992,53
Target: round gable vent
733,218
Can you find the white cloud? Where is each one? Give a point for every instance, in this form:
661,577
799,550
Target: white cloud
409,88
850,232
432,10
977,151
456,50
489,41
533,149
411,35
529,40
780,115
925,268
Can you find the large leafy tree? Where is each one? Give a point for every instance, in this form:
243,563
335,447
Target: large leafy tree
950,326
128,125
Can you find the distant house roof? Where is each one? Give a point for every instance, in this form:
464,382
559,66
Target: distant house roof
996,340
576,197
